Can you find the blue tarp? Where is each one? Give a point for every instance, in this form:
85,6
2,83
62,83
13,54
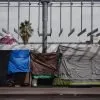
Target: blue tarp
19,61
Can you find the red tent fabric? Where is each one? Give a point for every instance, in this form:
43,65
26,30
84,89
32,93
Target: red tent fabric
7,40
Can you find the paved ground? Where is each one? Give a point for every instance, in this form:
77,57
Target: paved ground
49,93
49,97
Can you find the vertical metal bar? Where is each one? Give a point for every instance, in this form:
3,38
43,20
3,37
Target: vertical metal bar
91,37
91,15
70,15
18,17
61,29
51,16
60,15
29,10
44,22
81,15
8,17
39,17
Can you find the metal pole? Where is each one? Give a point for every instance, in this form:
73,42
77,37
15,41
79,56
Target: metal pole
50,16
81,15
44,23
71,15
91,37
29,10
8,18
18,17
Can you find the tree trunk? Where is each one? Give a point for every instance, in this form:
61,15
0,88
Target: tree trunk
25,39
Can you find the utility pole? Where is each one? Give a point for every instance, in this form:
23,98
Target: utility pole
44,24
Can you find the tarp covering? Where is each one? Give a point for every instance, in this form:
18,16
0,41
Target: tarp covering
7,40
19,61
79,62
44,63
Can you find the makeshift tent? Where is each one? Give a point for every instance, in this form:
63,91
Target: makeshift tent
19,62
19,59
44,65
4,57
80,64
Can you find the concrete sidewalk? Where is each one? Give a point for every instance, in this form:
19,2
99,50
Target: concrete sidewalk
49,93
